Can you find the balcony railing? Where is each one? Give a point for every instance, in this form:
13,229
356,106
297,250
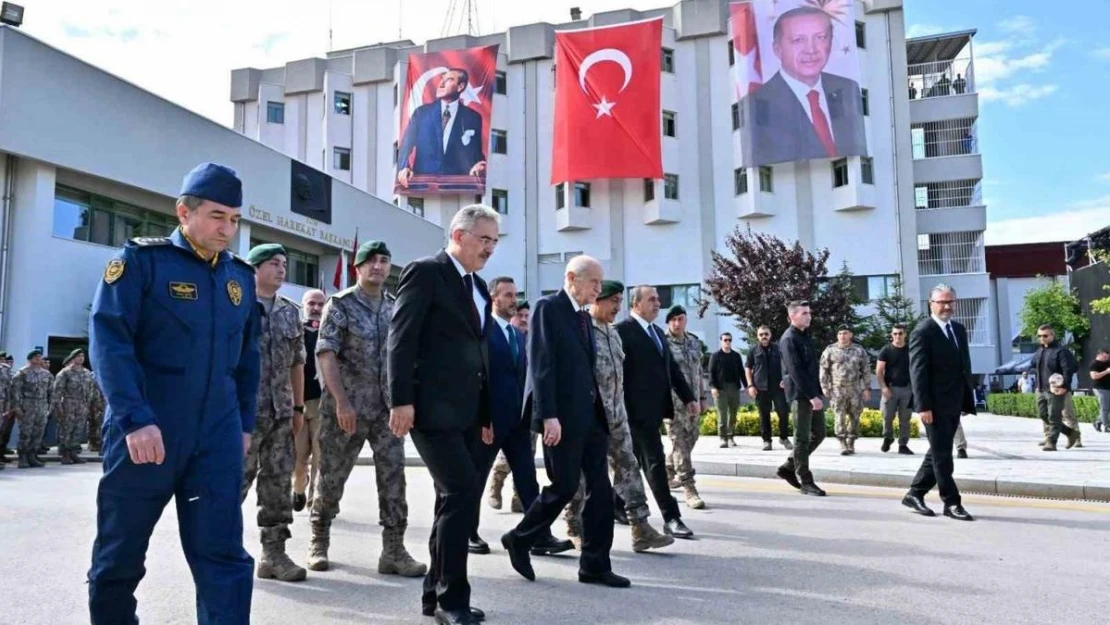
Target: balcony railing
951,137
949,253
952,194
941,78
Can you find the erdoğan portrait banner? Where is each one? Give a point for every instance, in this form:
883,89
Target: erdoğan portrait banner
446,111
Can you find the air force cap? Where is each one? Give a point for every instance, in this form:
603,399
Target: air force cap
215,183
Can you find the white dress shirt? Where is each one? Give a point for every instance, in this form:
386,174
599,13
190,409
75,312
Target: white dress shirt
648,327
574,302
944,327
506,329
479,300
801,90
453,107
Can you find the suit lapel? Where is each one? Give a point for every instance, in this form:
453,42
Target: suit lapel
584,341
455,282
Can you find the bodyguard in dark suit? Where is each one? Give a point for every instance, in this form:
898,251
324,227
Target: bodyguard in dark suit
438,380
564,403
649,375
461,152
940,374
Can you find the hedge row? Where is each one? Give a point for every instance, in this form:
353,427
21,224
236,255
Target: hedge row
747,423
1025,405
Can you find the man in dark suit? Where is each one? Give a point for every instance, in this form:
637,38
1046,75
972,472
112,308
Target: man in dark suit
803,391
512,430
803,112
564,403
446,134
649,375
940,375
438,377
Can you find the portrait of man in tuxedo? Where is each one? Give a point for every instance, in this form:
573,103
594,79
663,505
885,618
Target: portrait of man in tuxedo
803,112
446,135
940,375
438,381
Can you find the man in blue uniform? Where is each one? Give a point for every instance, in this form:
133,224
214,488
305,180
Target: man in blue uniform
174,334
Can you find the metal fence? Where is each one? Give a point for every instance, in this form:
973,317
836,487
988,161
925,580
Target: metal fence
948,253
950,194
941,78
973,314
951,137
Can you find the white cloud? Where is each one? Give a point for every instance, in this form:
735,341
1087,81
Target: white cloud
1016,95
1065,226
997,63
1018,25
921,30
1103,177
1101,53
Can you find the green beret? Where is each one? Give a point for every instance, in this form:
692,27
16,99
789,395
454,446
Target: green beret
675,311
844,328
75,353
523,305
368,249
34,352
262,253
3,355
609,288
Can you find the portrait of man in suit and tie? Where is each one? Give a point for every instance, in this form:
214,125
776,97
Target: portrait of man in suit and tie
804,111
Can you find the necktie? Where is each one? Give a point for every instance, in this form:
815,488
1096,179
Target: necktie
584,321
446,118
821,123
951,336
655,338
512,342
468,282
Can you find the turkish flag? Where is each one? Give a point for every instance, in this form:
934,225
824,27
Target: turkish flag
745,40
607,110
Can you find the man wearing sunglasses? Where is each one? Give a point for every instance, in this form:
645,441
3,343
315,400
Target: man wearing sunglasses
1052,357
893,373
767,387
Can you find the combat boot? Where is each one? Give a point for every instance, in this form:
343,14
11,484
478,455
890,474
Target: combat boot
693,500
645,537
495,486
395,559
851,446
318,549
24,463
64,454
1049,445
516,506
844,447
1074,440
275,564
36,462
574,533
75,456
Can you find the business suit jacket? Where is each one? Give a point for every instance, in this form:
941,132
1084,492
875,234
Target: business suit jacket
424,134
561,383
438,356
778,129
940,374
507,378
649,376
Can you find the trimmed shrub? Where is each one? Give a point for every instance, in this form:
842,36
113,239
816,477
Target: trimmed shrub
747,423
1025,405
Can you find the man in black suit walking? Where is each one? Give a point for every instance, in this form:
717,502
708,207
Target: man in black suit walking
564,403
803,390
438,381
649,375
940,370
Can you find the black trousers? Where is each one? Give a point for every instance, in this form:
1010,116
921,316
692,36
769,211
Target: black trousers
765,399
575,458
516,442
452,459
647,445
936,468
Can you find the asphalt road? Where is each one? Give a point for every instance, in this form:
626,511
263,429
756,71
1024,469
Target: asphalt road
764,555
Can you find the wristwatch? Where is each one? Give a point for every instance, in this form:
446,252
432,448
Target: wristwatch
299,409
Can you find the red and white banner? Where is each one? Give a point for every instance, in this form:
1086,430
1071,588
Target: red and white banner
607,107
446,111
745,43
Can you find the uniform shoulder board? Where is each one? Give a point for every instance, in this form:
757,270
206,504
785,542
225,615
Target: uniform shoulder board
149,241
290,301
243,263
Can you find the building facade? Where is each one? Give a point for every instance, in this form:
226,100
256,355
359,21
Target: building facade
78,181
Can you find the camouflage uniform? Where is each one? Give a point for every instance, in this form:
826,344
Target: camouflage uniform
7,421
31,393
75,393
270,458
845,375
683,429
95,422
355,328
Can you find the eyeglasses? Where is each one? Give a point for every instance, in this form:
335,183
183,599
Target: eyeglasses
944,302
486,241
727,340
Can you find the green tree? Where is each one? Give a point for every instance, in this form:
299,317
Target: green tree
1054,305
891,309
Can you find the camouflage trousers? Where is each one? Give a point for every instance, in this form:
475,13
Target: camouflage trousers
338,453
32,426
627,483
847,407
71,424
94,424
683,430
270,458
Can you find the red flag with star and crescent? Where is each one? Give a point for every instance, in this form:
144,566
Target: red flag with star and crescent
745,41
607,106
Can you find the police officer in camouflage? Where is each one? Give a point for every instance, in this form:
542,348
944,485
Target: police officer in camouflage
627,483
32,398
280,412
846,380
351,350
75,394
687,350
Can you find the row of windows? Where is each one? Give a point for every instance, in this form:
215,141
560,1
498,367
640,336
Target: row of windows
861,42
84,216
767,176
499,201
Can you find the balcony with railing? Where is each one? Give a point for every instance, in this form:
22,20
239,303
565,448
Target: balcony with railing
946,150
954,206
955,258
940,77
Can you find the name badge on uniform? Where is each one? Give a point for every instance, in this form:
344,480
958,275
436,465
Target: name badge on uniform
235,292
183,290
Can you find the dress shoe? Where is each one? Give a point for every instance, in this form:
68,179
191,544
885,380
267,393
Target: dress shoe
786,444
477,545
788,475
886,445
724,444
299,502
620,516
458,617
961,453
1098,426
430,610
549,546
767,446
905,450
957,512
609,579
917,504
812,489
678,529
518,557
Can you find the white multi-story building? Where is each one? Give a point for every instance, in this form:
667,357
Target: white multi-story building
340,114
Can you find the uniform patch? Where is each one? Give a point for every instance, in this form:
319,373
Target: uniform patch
183,290
113,271
235,292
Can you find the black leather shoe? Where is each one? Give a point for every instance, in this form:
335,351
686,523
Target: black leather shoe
549,546
430,610
477,546
905,450
886,445
957,512
458,617
790,477
917,504
299,501
813,489
609,579
620,516
961,453
518,557
678,529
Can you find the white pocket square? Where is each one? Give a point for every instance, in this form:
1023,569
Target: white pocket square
467,134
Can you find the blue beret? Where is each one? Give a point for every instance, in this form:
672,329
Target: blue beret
262,253
368,249
609,288
215,183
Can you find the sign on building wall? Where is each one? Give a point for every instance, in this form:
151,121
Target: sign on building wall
446,110
797,80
